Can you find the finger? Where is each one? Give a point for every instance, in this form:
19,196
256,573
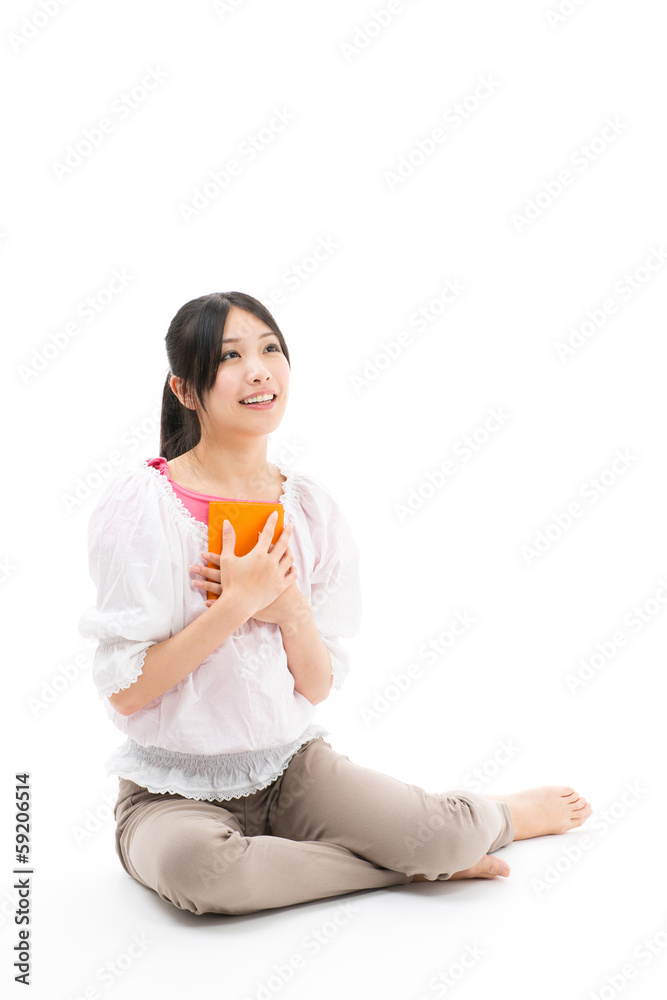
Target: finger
270,524
206,571
284,539
228,537
213,557
265,536
286,558
285,536
213,588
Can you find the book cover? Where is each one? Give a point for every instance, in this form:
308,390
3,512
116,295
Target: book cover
247,517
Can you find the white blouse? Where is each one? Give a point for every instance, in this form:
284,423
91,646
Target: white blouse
232,725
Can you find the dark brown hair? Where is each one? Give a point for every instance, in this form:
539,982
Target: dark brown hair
194,349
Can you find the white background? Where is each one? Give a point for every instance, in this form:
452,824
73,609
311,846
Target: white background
377,406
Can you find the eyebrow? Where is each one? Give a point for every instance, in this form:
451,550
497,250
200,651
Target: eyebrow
235,340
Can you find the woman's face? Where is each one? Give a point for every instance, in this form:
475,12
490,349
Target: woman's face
251,363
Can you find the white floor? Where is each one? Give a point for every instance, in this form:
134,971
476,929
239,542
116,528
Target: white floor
574,911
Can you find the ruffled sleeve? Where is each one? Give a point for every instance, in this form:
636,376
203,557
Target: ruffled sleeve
335,586
131,567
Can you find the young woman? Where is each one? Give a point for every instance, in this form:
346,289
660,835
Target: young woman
230,799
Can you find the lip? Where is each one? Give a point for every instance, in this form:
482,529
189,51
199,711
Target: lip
259,392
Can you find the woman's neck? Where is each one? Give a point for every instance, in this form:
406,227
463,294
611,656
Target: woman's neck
230,474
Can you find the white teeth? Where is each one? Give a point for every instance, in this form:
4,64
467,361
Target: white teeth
259,399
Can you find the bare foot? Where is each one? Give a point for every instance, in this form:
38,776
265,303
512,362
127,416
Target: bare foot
537,812
488,867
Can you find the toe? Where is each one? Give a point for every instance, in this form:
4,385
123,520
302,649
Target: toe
581,815
497,867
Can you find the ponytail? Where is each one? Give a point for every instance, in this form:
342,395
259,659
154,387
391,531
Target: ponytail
180,429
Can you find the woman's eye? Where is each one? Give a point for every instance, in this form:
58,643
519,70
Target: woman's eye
276,346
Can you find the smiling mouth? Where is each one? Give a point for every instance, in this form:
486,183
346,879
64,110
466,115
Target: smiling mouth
253,401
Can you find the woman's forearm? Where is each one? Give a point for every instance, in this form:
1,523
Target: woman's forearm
308,659
168,662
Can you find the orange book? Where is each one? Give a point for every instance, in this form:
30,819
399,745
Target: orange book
247,518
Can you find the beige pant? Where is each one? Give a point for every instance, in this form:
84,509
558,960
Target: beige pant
325,827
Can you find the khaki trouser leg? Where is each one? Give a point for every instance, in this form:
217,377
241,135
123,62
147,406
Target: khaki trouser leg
325,827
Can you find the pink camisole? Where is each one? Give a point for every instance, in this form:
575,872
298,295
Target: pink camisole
196,503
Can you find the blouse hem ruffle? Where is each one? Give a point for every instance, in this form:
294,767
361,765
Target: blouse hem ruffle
216,777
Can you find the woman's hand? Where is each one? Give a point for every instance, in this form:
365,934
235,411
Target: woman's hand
285,607
211,576
287,601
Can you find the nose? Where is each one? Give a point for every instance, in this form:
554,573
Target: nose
257,370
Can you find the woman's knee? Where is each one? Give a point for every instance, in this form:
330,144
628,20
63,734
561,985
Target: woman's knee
454,836
202,870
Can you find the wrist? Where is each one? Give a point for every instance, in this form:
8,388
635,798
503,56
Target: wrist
235,604
298,612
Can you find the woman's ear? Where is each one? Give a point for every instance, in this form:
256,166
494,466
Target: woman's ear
175,382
